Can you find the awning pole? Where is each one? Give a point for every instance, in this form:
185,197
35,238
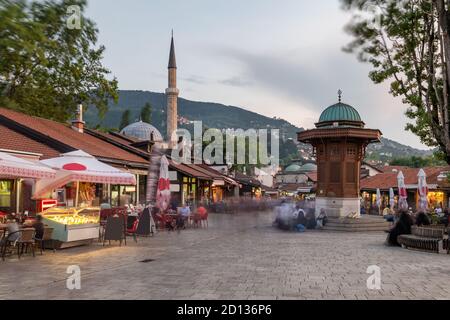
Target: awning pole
18,182
76,194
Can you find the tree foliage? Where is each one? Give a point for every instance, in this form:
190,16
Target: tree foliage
408,44
417,162
146,113
47,68
125,121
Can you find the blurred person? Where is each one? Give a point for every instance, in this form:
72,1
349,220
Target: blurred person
422,219
388,214
322,219
445,217
185,213
311,220
39,227
12,227
438,210
402,226
362,210
283,215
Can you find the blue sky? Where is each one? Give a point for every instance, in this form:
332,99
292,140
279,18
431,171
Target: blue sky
276,57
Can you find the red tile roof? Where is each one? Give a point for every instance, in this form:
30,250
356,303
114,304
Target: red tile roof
67,136
13,140
387,180
312,176
393,168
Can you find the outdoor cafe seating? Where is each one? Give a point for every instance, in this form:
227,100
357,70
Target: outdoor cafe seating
23,240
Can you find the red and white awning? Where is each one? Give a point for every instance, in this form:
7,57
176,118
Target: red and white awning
15,167
81,166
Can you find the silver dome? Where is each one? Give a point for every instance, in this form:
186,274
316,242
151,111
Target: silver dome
142,131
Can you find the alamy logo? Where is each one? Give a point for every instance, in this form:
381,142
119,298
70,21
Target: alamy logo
374,281
227,146
74,19
74,280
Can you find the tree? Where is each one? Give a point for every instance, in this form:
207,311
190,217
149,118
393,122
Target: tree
125,119
146,113
417,162
408,44
47,68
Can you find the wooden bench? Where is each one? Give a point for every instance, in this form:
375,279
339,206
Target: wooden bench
430,239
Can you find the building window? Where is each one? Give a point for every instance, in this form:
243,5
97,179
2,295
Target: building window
334,150
351,151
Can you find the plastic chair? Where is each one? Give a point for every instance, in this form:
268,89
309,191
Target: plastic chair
132,231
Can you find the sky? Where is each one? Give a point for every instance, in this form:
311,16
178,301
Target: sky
279,58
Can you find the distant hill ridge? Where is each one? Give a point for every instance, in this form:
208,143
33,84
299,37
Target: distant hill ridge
216,115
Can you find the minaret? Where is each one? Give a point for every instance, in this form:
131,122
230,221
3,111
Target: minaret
172,98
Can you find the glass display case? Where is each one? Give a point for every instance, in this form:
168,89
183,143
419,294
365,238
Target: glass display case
73,226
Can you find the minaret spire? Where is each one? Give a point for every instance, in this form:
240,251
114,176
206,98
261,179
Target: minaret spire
172,60
172,98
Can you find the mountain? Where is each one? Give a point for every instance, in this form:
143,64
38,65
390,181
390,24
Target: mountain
215,115
389,149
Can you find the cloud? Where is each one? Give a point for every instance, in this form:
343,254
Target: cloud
311,80
194,79
236,82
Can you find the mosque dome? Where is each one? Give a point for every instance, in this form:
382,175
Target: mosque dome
293,168
340,111
142,131
309,167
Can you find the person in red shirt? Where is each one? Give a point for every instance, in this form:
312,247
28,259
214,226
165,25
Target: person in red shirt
201,210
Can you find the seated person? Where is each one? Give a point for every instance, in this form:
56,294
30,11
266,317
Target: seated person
185,213
422,219
445,219
311,219
322,218
301,219
39,227
362,210
12,228
402,226
388,214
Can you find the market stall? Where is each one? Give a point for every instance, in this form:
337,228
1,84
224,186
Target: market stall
12,170
77,171
81,170
73,227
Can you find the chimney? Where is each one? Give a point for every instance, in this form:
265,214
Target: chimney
78,123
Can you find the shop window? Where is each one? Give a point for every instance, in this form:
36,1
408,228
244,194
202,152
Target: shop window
5,193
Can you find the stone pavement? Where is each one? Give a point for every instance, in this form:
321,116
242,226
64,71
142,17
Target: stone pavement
238,257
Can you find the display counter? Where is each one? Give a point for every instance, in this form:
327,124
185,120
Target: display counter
74,226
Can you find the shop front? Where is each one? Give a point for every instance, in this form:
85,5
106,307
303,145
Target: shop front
7,195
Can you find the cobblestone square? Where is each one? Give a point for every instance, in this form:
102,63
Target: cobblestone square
238,257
